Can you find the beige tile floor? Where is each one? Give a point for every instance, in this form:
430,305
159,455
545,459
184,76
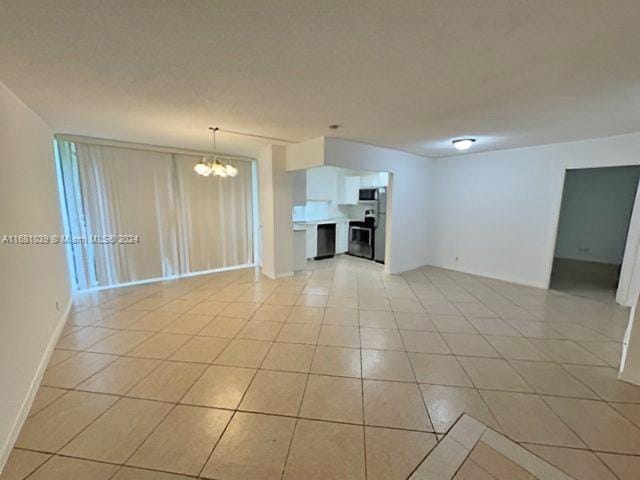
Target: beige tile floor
472,451
585,279
341,372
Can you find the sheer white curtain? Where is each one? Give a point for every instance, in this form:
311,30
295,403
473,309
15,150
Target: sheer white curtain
214,208
185,223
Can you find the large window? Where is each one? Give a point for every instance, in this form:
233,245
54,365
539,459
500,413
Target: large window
135,214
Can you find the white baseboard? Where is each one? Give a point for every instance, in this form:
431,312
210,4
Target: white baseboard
395,268
33,388
171,277
629,378
504,278
284,274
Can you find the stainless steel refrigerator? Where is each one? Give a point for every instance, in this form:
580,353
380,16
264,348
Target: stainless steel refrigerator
381,226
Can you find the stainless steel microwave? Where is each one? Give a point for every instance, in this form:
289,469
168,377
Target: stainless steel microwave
368,194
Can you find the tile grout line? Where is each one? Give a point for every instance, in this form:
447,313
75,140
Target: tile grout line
423,458
271,346
243,395
364,428
304,391
424,403
171,360
169,411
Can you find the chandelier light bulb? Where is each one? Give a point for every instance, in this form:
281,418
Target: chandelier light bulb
211,165
219,169
231,170
202,168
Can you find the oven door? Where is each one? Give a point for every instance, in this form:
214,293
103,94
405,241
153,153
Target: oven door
361,242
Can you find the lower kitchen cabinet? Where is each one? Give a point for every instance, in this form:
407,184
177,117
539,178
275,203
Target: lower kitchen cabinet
342,237
312,240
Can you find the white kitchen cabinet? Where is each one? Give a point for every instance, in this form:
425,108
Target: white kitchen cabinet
374,180
299,250
349,188
322,184
312,240
342,237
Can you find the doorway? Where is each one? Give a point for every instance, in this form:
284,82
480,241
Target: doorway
595,214
350,206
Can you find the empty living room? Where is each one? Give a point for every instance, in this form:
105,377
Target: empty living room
298,240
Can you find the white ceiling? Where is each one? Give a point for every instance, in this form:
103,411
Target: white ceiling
404,74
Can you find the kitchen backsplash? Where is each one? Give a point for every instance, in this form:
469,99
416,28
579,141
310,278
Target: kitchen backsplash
319,210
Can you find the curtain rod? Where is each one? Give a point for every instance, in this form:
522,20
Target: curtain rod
106,142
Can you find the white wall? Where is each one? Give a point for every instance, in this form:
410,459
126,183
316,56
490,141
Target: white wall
305,154
34,277
267,222
409,199
497,212
276,204
595,213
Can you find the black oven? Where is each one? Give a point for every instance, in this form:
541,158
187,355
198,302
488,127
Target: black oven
361,238
368,194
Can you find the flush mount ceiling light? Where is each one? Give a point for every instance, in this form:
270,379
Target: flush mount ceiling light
462,144
211,164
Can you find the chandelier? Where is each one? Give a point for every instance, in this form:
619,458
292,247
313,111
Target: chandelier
211,164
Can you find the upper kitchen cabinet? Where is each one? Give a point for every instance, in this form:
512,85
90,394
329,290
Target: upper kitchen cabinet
322,184
348,188
374,180
338,186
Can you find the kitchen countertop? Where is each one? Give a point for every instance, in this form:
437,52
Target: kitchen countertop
326,220
302,225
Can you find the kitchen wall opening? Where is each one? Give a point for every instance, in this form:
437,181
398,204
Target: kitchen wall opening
595,214
338,211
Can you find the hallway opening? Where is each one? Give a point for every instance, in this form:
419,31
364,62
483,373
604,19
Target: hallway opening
595,214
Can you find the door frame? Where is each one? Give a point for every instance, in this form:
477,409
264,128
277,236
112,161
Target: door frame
555,232
629,281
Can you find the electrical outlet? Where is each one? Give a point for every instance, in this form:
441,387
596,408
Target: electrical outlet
583,249
457,258
57,305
